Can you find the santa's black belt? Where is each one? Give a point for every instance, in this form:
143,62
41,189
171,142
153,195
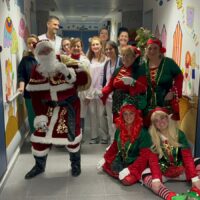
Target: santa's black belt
59,103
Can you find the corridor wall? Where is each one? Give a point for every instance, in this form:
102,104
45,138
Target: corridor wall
176,23
14,21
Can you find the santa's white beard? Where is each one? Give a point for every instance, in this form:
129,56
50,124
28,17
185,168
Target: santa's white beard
47,64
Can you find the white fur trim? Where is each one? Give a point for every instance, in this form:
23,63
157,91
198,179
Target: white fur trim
73,150
100,164
38,87
146,171
56,141
53,121
155,180
62,68
39,119
195,179
47,86
72,78
125,172
40,153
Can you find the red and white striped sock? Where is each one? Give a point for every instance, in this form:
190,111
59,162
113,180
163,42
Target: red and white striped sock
163,191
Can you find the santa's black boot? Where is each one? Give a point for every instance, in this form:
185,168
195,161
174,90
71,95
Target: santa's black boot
39,167
75,159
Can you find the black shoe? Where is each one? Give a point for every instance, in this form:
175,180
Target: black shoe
76,170
34,172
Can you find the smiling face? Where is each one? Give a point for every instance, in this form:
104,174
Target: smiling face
128,117
53,26
161,121
66,46
110,51
31,42
153,51
123,39
96,46
104,35
128,56
76,47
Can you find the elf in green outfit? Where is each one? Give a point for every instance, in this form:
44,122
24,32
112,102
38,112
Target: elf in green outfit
127,156
171,158
127,82
164,77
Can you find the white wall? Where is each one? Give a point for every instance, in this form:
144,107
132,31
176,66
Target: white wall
13,44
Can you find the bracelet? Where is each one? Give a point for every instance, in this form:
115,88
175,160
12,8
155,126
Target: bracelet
195,179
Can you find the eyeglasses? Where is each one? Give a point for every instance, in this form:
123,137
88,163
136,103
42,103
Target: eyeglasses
108,49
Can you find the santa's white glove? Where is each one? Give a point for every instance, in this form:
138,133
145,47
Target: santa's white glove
125,172
72,77
62,68
100,164
128,80
40,122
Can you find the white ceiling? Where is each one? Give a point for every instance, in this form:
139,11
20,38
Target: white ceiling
86,11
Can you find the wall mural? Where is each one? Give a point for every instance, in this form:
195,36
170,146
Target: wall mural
8,27
15,111
164,36
23,29
187,15
177,44
157,32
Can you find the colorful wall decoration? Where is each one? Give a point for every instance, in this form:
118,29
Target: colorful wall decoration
164,36
177,44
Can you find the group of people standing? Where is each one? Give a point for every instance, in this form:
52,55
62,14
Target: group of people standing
131,100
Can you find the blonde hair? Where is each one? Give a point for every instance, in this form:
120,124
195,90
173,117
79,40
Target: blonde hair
101,57
155,133
128,50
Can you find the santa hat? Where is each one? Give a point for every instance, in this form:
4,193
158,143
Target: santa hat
158,42
157,110
136,50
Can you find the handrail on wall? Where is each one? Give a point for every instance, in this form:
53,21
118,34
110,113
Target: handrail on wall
12,98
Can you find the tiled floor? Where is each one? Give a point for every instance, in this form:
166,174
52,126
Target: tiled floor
58,184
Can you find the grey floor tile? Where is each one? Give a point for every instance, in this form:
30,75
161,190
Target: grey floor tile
58,184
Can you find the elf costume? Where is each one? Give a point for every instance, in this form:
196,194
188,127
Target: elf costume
135,91
127,156
167,77
175,163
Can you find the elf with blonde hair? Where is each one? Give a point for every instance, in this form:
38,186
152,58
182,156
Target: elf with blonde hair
171,157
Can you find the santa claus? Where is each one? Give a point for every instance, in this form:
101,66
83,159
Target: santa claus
53,88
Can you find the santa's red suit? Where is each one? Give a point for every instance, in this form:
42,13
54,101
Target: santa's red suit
53,89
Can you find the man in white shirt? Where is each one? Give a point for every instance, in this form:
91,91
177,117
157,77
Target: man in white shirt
53,25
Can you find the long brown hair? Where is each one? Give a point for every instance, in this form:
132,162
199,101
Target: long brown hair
101,57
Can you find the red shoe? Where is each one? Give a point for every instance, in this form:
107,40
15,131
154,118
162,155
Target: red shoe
171,195
196,190
129,180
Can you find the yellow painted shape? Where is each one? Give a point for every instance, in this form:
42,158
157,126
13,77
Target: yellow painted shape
188,117
11,129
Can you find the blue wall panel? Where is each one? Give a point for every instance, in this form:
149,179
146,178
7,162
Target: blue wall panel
3,161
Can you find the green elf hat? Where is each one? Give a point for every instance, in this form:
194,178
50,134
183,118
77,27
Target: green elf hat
129,104
139,101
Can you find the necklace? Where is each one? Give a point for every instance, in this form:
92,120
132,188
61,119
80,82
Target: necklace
158,75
